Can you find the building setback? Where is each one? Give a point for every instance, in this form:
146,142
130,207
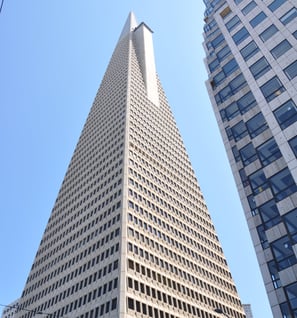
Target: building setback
130,234
252,68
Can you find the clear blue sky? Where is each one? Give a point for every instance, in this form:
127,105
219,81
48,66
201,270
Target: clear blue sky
53,56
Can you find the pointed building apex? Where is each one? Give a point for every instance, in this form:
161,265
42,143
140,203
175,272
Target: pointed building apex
130,25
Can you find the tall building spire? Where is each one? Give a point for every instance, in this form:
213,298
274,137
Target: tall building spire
130,233
129,26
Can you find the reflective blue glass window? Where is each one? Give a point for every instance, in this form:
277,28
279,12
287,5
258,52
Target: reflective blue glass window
262,236
269,214
213,65
224,52
239,131
250,50
282,184
249,7
286,114
230,67
258,19
274,275
246,102
260,67
291,70
231,111
293,144
283,253
291,291
272,89
276,4
268,33
240,35
256,125
289,16
268,152
237,83
291,224
248,154
281,49
217,41
231,24
258,181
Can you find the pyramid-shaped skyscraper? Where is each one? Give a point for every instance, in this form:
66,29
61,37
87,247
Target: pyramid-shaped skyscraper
130,234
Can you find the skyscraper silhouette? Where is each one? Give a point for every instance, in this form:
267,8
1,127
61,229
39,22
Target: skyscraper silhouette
130,234
252,65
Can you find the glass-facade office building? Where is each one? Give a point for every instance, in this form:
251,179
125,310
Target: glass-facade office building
251,59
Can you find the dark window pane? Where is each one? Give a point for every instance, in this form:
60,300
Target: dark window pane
283,253
235,153
224,52
269,214
248,154
237,83
218,79
243,178
258,181
231,111
291,291
274,275
249,7
282,184
246,102
224,94
213,65
241,35
272,89
250,50
256,125
262,236
258,19
231,24
281,49
268,33
276,4
289,16
239,131
286,115
293,144
230,67
291,223
291,70
260,67
217,41
268,152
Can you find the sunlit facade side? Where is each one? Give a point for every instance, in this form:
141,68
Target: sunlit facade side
251,60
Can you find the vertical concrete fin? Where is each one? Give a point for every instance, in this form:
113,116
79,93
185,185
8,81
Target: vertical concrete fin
143,42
